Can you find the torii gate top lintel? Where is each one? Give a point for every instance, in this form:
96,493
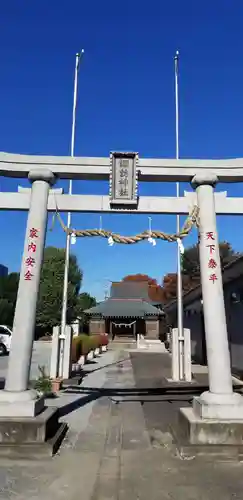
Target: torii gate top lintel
98,168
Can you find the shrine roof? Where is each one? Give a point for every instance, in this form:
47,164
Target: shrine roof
130,290
133,290
124,308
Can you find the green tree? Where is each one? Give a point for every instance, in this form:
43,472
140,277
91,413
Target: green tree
8,296
191,270
6,312
49,305
85,301
190,259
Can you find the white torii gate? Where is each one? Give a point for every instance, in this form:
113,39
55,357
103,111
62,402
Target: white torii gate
220,402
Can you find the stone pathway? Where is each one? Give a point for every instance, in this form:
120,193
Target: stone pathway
122,448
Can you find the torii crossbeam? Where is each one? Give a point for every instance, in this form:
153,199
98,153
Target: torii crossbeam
95,168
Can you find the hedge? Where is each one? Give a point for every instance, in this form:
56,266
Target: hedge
83,344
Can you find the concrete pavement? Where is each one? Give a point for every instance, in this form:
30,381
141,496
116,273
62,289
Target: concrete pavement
41,355
119,445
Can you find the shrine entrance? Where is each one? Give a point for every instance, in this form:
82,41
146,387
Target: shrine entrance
124,171
128,311
122,327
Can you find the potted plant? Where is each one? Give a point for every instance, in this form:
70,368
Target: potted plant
43,384
90,355
56,384
76,352
81,349
104,342
96,344
100,344
85,349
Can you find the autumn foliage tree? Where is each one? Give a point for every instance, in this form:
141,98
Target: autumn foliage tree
169,286
190,274
157,293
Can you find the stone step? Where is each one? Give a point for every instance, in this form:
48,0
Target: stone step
31,437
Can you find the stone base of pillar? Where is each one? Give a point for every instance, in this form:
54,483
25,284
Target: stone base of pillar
222,438
20,404
180,383
31,438
218,406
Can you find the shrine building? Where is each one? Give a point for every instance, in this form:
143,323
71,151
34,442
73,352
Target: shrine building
128,311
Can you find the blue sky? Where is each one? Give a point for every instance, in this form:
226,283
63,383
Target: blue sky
125,102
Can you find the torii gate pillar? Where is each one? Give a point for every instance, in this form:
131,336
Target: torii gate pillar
16,400
219,401
216,417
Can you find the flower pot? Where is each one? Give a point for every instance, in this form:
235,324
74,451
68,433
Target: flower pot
104,348
81,360
97,351
76,367
56,384
90,355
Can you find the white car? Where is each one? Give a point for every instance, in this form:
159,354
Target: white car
5,339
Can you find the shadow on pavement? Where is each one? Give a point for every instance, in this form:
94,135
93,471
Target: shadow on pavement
87,372
142,396
103,391
78,403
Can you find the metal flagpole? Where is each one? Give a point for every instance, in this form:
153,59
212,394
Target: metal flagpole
67,253
179,274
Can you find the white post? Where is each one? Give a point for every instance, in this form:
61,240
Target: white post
175,355
62,338
55,353
181,355
75,326
179,276
187,355
67,254
224,403
67,366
